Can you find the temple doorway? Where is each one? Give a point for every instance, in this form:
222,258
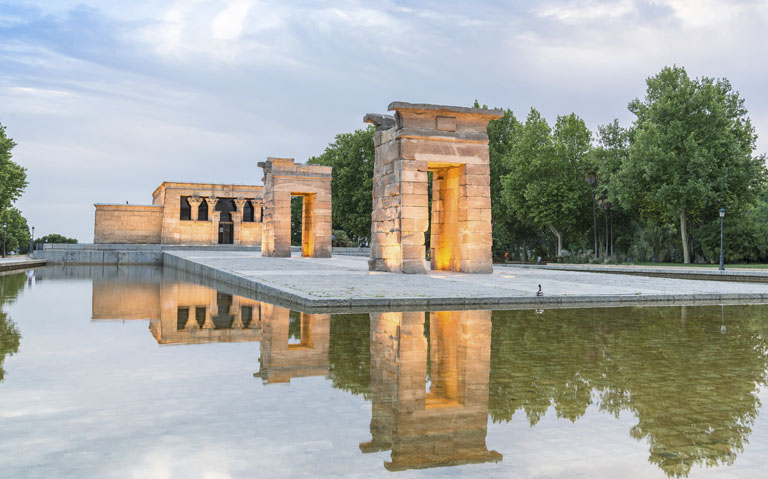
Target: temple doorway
226,226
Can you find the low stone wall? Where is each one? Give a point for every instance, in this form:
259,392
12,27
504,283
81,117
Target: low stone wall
366,252
116,224
85,253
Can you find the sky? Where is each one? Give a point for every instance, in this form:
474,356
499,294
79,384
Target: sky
107,99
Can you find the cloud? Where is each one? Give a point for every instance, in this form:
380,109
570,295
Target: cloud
228,24
115,100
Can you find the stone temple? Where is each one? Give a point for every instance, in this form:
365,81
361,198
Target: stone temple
451,143
185,214
284,179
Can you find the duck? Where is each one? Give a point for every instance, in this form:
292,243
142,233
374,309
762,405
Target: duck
539,292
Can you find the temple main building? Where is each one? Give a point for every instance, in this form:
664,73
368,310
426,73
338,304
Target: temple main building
185,214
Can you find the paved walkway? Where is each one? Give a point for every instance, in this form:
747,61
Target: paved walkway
12,263
346,282
731,273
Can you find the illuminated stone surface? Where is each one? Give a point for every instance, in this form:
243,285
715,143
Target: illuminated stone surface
161,221
451,143
283,179
179,313
444,422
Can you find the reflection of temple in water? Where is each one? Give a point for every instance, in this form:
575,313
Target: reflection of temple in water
433,422
293,344
434,379
180,313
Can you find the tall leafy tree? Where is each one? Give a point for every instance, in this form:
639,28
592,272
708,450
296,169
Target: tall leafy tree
502,135
352,156
691,151
16,230
13,177
545,185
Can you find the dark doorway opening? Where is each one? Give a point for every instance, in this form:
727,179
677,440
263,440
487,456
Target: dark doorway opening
226,227
226,235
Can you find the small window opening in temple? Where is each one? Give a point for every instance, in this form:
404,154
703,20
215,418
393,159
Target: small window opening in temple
200,315
182,315
202,211
246,315
248,212
185,212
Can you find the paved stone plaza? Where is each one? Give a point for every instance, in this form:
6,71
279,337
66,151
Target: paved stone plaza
346,282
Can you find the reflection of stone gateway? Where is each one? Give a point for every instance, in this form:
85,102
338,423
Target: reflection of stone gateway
282,180
447,424
452,143
280,360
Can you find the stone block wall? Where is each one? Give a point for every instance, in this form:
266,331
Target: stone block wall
127,223
452,143
283,179
204,232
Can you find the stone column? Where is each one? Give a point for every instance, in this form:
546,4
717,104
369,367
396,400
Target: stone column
237,220
215,219
194,205
474,220
256,210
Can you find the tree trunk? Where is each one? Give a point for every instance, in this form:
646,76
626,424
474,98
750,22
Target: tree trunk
559,237
684,233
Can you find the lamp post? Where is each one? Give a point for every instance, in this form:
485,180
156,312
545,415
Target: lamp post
5,225
591,179
722,257
32,242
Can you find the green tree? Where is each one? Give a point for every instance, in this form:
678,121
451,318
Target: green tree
352,156
55,238
16,231
509,232
10,286
545,186
13,177
691,151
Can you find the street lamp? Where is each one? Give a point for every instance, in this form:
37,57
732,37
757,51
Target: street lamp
722,257
32,242
4,229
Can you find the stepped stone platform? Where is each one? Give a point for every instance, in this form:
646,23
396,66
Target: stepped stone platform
345,282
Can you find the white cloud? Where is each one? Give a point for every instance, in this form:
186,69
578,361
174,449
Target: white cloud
228,24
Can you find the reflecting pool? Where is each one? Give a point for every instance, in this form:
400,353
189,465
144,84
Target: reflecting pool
139,372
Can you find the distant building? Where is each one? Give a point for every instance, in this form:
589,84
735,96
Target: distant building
185,214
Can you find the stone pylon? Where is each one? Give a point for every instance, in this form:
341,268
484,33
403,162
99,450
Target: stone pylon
451,143
283,179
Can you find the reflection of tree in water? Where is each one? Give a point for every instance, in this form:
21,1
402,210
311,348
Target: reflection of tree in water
10,286
349,353
693,389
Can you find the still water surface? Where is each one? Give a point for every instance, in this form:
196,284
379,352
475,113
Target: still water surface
142,373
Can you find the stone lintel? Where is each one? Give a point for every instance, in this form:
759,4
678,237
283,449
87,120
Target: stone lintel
381,121
447,109
122,206
302,175
436,135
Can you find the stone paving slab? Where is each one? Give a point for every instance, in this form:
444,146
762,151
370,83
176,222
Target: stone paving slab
346,282
731,273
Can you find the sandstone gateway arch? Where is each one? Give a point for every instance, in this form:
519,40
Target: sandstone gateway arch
452,143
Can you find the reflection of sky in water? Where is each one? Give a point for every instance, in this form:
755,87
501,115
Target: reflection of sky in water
87,398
